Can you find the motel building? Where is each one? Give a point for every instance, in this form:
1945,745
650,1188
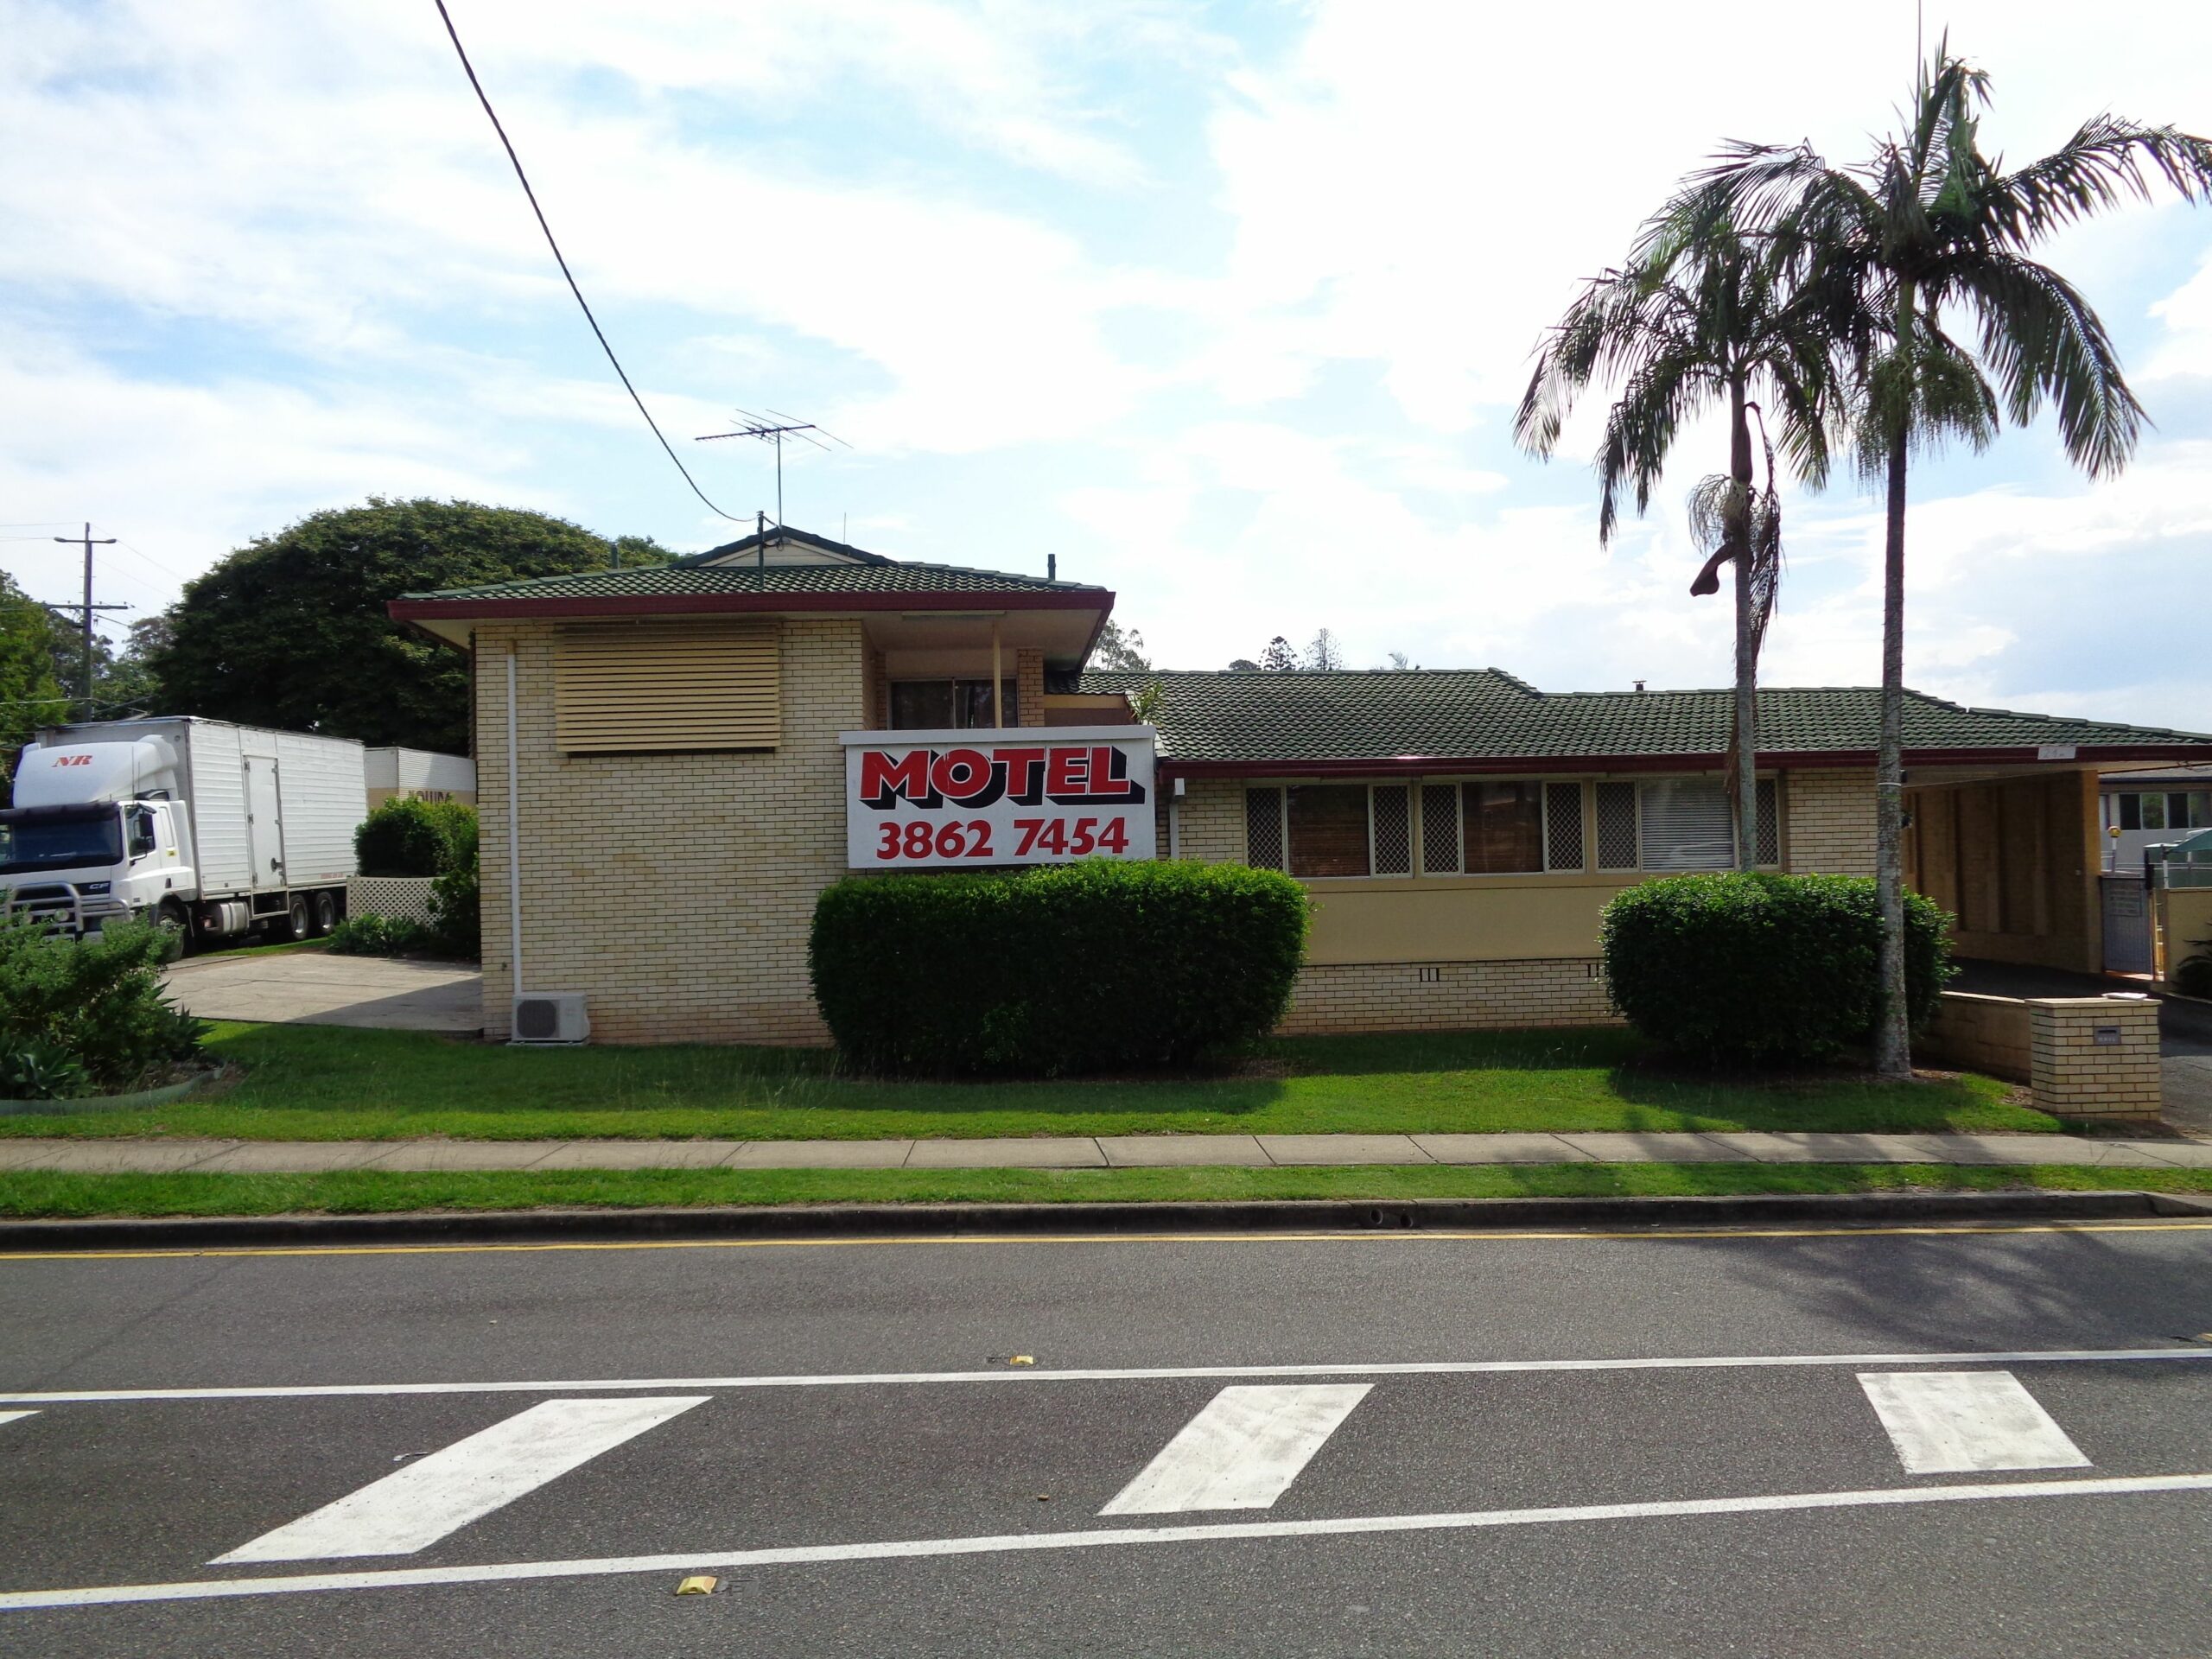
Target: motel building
672,762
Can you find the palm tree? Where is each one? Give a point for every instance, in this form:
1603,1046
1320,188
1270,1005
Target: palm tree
1700,319
1929,228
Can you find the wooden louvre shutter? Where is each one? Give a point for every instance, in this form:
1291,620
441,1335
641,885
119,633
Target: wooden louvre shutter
628,687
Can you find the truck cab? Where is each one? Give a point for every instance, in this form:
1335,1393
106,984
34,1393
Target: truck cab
96,835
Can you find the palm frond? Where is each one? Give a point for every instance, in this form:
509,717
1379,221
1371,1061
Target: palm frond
2042,339
2108,161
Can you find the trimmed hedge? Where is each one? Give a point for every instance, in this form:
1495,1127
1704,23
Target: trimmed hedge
1067,968
1764,968
405,837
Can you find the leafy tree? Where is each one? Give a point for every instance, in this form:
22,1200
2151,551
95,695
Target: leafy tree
1121,647
290,631
1702,319
1243,665
1325,653
1278,657
1928,225
30,696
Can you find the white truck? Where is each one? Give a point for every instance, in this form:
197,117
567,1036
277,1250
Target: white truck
211,829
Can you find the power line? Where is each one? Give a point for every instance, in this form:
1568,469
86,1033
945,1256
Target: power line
508,145
173,574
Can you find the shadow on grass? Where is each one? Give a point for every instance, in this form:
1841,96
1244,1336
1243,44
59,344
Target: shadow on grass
329,1083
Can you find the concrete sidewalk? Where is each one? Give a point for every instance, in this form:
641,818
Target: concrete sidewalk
1085,1151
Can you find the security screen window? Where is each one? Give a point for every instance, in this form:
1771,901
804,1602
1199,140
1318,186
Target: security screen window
949,705
1328,829
1506,829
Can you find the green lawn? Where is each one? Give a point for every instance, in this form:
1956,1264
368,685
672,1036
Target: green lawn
27,1194
312,1082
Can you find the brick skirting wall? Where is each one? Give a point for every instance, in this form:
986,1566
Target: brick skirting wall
2077,1075
1446,996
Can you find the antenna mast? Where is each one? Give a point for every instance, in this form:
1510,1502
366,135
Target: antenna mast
774,430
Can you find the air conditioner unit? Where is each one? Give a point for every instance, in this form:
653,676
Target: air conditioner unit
550,1017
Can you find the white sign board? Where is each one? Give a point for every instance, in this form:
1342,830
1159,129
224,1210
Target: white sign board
1017,794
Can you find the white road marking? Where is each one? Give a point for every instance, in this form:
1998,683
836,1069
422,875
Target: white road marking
415,1506
1242,1451
1045,1374
1213,1532
11,1416
1954,1422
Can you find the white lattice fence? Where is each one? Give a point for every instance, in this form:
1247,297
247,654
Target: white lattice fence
403,898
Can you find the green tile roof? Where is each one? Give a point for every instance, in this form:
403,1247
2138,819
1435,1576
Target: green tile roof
1483,713
678,581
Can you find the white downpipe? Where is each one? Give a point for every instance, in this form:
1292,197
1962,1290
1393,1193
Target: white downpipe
514,840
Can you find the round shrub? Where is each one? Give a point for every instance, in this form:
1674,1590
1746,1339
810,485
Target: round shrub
1067,968
1756,969
401,837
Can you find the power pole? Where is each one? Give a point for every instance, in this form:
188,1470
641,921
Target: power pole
89,541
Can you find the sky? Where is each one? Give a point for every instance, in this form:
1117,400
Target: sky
1226,305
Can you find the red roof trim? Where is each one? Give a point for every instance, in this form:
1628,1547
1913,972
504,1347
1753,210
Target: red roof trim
1410,766
414,610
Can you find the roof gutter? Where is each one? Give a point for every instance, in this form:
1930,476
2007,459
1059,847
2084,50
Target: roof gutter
1413,765
413,610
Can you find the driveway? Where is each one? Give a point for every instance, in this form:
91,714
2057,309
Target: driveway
311,987
2185,1030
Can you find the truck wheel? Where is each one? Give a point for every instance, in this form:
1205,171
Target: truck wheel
173,918
326,912
297,920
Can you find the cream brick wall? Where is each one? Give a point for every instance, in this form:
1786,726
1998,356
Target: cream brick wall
1029,687
1447,996
2075,1076
1831,821
1980,1033
1210,820
676,891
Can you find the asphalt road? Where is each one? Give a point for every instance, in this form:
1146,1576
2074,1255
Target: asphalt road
1309,1445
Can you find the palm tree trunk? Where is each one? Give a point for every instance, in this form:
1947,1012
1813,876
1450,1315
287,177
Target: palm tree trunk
1743,761
1892,1031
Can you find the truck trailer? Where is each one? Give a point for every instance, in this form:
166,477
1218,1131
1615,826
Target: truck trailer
208,828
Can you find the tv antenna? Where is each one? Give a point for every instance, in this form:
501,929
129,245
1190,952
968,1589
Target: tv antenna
774,427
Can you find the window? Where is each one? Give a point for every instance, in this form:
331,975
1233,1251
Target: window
1328,829
1563,826
1439,829
1264,828
1616,826
1506,829
1394,838
141,831
1687,824
949,705
2131,811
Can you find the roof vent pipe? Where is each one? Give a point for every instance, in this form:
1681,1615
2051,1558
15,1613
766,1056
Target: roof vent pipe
1052,566
1639,685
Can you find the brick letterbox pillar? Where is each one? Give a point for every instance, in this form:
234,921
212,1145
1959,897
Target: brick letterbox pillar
2094,1056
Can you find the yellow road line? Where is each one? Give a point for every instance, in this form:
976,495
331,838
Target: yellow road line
1397,1235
